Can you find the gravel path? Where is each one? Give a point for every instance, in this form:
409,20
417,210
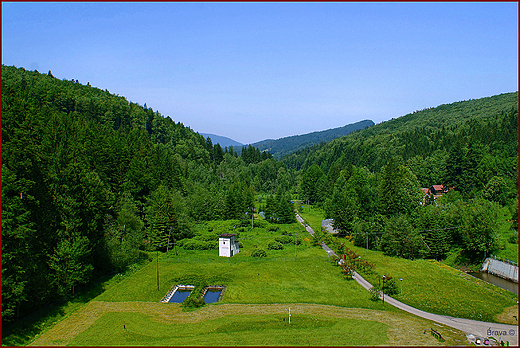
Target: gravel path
472,328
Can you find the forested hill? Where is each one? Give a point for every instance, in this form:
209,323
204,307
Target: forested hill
90,180
483,132
283,146
224,141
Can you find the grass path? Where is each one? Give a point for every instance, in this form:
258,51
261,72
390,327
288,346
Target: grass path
81,327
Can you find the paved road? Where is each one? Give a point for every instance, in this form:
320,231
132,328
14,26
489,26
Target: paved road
472,328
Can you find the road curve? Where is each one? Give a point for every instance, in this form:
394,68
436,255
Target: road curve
472,328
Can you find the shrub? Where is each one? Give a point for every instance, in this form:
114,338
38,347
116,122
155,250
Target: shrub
274,245
284,239
197,244
260,223
391,287
513,238
374,293
259,253
272,228
194,300
208,237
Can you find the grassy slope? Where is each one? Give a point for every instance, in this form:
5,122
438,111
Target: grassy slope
314,289
435,287
149,323
279,278
505,249
262,289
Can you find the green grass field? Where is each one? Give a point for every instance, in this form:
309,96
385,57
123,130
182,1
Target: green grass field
310,278
326,308
237,330
158,324
435,287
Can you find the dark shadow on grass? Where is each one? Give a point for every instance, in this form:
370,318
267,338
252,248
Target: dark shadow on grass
25,330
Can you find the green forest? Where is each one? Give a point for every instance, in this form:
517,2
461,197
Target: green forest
92,182
284,146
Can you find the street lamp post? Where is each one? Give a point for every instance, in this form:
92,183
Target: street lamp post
295,241
383,289
401,279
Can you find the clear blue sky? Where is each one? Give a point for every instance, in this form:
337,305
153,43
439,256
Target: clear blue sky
252,71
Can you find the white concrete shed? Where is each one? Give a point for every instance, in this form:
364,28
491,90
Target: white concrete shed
227,246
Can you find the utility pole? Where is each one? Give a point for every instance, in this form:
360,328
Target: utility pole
295,240
366,233
168,245
157,249
289,310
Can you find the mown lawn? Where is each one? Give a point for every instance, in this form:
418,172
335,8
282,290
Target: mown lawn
235,330
326,308
308,279
158,324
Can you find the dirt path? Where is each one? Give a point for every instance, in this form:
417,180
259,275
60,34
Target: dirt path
472,328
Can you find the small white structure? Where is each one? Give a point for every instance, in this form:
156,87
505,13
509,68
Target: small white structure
227,246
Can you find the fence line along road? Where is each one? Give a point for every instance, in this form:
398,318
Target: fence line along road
472,328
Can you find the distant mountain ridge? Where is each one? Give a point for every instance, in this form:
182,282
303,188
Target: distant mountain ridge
223,141
284,146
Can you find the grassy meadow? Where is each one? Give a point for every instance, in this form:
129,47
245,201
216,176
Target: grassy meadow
311,277
434,286
160,324
327,309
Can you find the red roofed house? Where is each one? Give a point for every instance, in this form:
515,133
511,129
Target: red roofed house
438,190
434,191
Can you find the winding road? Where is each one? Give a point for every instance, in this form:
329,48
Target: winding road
472,328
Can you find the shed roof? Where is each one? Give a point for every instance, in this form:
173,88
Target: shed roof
228,235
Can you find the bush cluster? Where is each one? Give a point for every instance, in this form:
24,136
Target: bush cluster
197,244
272,228
259,253
285,239
274,245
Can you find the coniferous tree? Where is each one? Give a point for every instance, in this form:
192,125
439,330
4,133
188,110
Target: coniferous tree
399,191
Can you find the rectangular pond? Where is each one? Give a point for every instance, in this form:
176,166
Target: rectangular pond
178,293
179,296
212,294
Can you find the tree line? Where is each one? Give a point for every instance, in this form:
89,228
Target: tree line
90,181
370,182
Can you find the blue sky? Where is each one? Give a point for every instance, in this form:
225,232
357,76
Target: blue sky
252,71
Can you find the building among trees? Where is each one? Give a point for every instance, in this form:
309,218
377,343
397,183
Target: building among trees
227,246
